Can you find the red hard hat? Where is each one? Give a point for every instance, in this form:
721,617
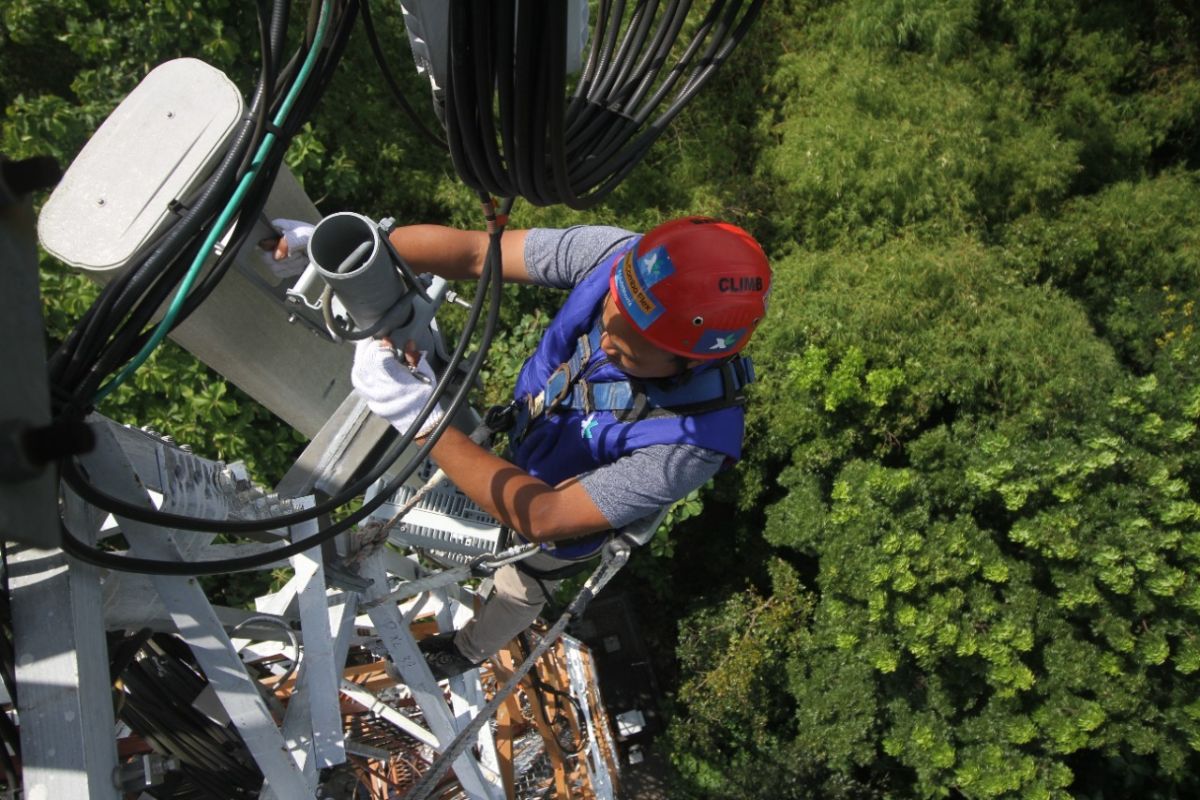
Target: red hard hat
695,287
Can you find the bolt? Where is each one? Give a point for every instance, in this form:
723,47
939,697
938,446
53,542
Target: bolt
101,201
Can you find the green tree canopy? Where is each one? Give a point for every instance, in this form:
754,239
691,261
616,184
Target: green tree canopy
960,556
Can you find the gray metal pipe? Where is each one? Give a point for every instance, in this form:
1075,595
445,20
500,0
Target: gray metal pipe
350,255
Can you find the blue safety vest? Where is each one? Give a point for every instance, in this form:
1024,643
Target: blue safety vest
578,412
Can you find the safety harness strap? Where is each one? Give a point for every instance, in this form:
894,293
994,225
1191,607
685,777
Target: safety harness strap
634,400
631,400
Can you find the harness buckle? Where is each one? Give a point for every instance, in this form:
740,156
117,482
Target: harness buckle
557,387
536,404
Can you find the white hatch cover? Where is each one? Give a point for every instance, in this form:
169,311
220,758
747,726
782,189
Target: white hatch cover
157,146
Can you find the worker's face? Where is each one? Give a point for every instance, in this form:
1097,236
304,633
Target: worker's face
631,352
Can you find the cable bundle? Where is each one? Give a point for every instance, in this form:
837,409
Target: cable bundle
509,127
111,332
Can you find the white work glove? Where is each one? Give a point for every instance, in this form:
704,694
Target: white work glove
288,255
393,389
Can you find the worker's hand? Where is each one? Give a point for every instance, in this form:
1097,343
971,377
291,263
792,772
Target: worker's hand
287,255
395,385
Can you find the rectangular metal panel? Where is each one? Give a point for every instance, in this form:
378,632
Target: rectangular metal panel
602,782
28,510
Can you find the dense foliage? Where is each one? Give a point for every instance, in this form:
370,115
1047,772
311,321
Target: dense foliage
978,449
962,555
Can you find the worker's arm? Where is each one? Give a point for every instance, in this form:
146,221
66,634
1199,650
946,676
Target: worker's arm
535,509
396,387
447,252
459,255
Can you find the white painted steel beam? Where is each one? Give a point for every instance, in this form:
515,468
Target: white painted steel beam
411,664
68,734
467,694
369,700
322,666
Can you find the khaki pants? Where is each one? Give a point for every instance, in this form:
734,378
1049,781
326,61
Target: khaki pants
514,605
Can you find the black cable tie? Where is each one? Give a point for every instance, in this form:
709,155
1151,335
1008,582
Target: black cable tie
268,126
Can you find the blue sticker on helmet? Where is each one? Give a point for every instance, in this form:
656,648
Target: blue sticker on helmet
715,342
634,278
652,267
